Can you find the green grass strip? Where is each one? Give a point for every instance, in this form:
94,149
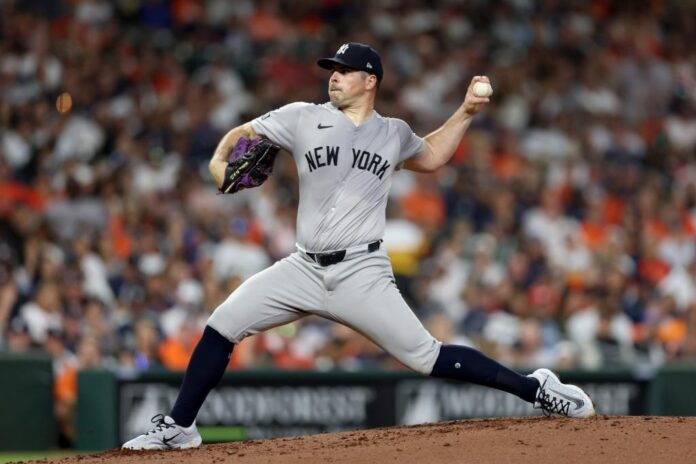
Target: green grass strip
16,456
220,434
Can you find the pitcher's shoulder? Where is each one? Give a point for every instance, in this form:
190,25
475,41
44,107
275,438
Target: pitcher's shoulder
300,106
398,126
290,111
395,122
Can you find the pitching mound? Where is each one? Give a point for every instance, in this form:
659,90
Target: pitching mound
537,440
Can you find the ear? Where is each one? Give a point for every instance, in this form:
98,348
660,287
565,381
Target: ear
370,82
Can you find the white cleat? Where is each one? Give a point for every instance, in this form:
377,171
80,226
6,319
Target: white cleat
554,397
166,435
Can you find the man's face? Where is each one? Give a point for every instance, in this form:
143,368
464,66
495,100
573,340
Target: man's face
346,85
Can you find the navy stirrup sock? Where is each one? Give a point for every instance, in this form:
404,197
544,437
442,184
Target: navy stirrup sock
469,365
204,371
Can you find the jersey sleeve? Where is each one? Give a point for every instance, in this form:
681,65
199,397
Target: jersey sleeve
411,144
280,125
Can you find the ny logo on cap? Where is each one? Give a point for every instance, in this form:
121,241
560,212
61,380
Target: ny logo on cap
342,50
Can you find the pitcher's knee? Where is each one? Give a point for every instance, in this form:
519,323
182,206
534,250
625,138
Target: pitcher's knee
422,360
226,327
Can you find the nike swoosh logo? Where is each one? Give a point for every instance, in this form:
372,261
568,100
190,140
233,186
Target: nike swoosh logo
323,127
166,440
577,401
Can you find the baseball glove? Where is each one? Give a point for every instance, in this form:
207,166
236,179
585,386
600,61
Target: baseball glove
249,164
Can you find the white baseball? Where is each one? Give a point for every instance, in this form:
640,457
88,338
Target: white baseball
483,89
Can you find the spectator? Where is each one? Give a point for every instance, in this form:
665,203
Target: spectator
581,173
43,313
602,334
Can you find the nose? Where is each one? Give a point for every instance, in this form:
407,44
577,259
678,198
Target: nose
334,76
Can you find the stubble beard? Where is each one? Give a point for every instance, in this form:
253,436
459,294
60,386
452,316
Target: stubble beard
336,100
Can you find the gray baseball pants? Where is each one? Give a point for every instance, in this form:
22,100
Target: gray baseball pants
358,292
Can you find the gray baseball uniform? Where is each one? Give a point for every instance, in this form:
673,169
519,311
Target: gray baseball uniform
345,176
340,271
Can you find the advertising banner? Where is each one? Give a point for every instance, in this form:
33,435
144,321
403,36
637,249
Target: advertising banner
252,405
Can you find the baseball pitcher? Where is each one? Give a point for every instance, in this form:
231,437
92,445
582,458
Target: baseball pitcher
346,154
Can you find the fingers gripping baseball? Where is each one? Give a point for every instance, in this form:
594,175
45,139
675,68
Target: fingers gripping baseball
478,94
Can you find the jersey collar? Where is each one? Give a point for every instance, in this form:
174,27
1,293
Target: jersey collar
373,117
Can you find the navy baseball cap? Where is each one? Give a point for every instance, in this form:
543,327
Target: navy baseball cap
356,56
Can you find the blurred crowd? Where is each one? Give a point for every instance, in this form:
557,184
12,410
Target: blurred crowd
562,233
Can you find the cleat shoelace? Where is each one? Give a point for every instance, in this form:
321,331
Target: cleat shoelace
161,424
552,404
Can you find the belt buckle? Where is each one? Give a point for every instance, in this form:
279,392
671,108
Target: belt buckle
327,259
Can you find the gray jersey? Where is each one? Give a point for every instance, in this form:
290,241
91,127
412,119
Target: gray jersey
344,170
345,175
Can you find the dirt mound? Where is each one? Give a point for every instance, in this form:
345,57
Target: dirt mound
531,440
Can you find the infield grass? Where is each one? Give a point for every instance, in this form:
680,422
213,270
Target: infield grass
209,434
17,456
